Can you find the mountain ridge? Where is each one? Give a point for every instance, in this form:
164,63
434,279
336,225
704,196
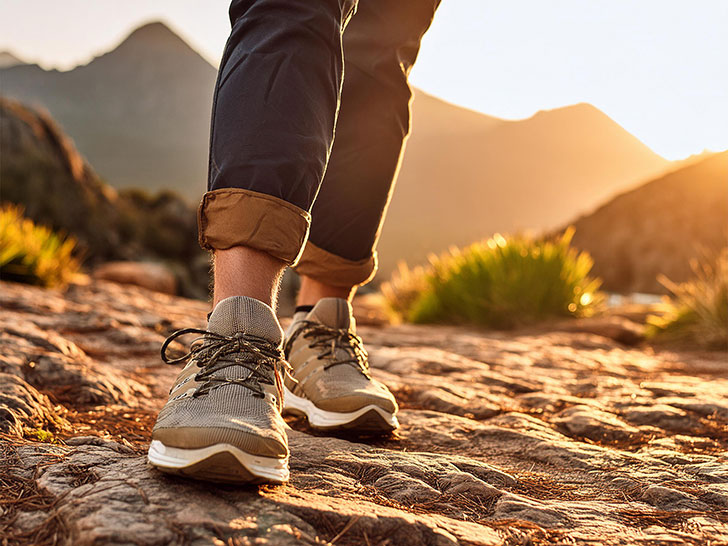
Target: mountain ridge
562,160
140,114
659,228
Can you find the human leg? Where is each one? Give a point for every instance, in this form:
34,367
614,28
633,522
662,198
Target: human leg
335,390
312,290
273,117
274,111
245,271
381,44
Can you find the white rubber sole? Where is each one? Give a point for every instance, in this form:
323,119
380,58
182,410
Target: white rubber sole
368,419
220,462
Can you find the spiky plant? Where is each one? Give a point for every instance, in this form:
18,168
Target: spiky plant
498,283
697,312
34,254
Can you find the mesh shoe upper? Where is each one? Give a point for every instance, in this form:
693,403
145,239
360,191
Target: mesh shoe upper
229,392
330,363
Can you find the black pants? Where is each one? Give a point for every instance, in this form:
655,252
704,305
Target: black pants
310,115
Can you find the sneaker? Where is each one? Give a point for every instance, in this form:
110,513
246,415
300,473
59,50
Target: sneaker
332,386
223,421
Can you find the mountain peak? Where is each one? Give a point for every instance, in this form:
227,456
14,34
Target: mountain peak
155,40
153,30
7,60
154,34
578,109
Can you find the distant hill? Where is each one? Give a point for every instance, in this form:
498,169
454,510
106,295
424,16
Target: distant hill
496,175
659,227
436,118
140,114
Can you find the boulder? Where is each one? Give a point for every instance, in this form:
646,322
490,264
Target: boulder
153,276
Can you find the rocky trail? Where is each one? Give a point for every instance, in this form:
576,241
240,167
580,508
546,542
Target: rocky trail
552,436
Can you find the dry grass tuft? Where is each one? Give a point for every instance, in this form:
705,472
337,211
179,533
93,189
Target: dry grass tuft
498,283
34,254
697,314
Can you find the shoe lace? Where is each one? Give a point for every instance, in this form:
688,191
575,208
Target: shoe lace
330,340
214,352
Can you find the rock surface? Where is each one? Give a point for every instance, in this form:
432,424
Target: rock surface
507,438
42,171
149,275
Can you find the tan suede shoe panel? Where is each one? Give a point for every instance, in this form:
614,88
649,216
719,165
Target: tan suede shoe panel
253,443
358,399
331,386
185,380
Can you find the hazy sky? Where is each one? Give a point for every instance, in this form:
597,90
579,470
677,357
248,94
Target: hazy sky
658,67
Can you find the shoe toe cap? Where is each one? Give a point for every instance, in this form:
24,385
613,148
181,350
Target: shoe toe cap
346,400
250,439
248,423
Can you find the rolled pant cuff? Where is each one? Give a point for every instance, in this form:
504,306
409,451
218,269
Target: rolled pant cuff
232,217
334,270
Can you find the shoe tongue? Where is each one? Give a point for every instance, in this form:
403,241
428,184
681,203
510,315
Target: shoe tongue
248,315
334,313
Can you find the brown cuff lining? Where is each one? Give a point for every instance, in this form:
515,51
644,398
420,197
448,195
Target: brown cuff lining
237,217
329,268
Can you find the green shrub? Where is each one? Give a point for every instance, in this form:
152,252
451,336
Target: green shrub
499,283
698,311
34,254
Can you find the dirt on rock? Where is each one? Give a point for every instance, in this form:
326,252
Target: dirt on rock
517,438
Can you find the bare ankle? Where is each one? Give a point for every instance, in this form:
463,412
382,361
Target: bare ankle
244,271
312,291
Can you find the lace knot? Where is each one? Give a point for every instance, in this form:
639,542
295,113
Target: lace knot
332,340
215,352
